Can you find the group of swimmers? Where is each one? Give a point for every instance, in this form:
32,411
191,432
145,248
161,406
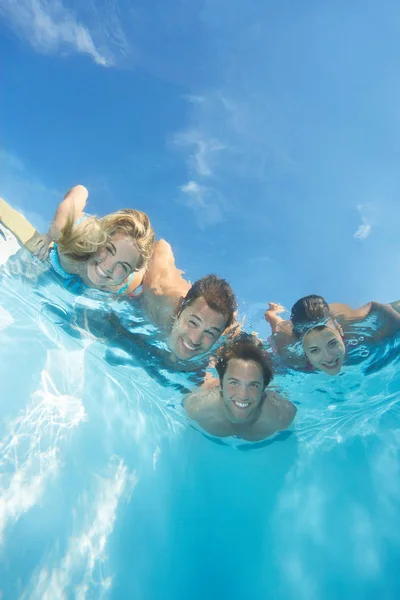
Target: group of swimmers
118,254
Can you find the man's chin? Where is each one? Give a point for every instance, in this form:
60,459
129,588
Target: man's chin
185,355
176,354
182,353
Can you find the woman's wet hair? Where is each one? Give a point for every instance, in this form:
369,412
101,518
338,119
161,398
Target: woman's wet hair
135,225
308,313
245,347
216,292
80,242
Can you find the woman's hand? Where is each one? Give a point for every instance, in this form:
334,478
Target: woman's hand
41,246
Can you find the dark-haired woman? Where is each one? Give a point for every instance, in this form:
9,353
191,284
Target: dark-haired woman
318,334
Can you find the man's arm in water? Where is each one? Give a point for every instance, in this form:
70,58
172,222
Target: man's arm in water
204,408
388,318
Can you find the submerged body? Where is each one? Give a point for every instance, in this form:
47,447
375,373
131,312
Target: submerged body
208,409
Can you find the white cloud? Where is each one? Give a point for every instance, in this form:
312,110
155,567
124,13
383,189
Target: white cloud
261,260
49,27
202,151
364,229
246,129
227,140
362,232
196,99
206,202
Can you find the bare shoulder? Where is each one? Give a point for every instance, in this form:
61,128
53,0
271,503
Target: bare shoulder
191,403
276,415
199,401
284,410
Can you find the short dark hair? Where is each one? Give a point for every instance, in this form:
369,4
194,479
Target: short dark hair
245,347
309,312
216,292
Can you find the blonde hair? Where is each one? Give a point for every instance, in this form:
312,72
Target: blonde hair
80,242
133,224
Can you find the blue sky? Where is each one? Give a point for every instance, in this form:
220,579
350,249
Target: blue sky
263,138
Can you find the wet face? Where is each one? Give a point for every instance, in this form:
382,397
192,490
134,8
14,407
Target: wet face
242,390
196,330
325,349
111,265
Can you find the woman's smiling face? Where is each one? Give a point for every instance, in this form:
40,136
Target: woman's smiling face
111,265
325,349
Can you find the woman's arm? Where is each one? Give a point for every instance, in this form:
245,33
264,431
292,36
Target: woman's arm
73,205
282,331
272,316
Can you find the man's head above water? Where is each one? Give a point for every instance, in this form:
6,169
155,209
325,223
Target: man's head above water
202,316
320,334
241,405
244,370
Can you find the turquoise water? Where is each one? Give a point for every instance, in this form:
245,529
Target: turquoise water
108,492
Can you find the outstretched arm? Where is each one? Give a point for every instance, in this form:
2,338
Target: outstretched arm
272,316
72,205
163,286
282,335
388,317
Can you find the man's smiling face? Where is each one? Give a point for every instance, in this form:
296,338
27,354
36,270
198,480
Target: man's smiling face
196,330
242,390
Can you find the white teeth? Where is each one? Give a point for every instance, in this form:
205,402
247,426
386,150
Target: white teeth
188,346
100,271
242,404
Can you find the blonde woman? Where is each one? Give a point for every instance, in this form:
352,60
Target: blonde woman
109,253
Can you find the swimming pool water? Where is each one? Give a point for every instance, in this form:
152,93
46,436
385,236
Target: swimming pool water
106,491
